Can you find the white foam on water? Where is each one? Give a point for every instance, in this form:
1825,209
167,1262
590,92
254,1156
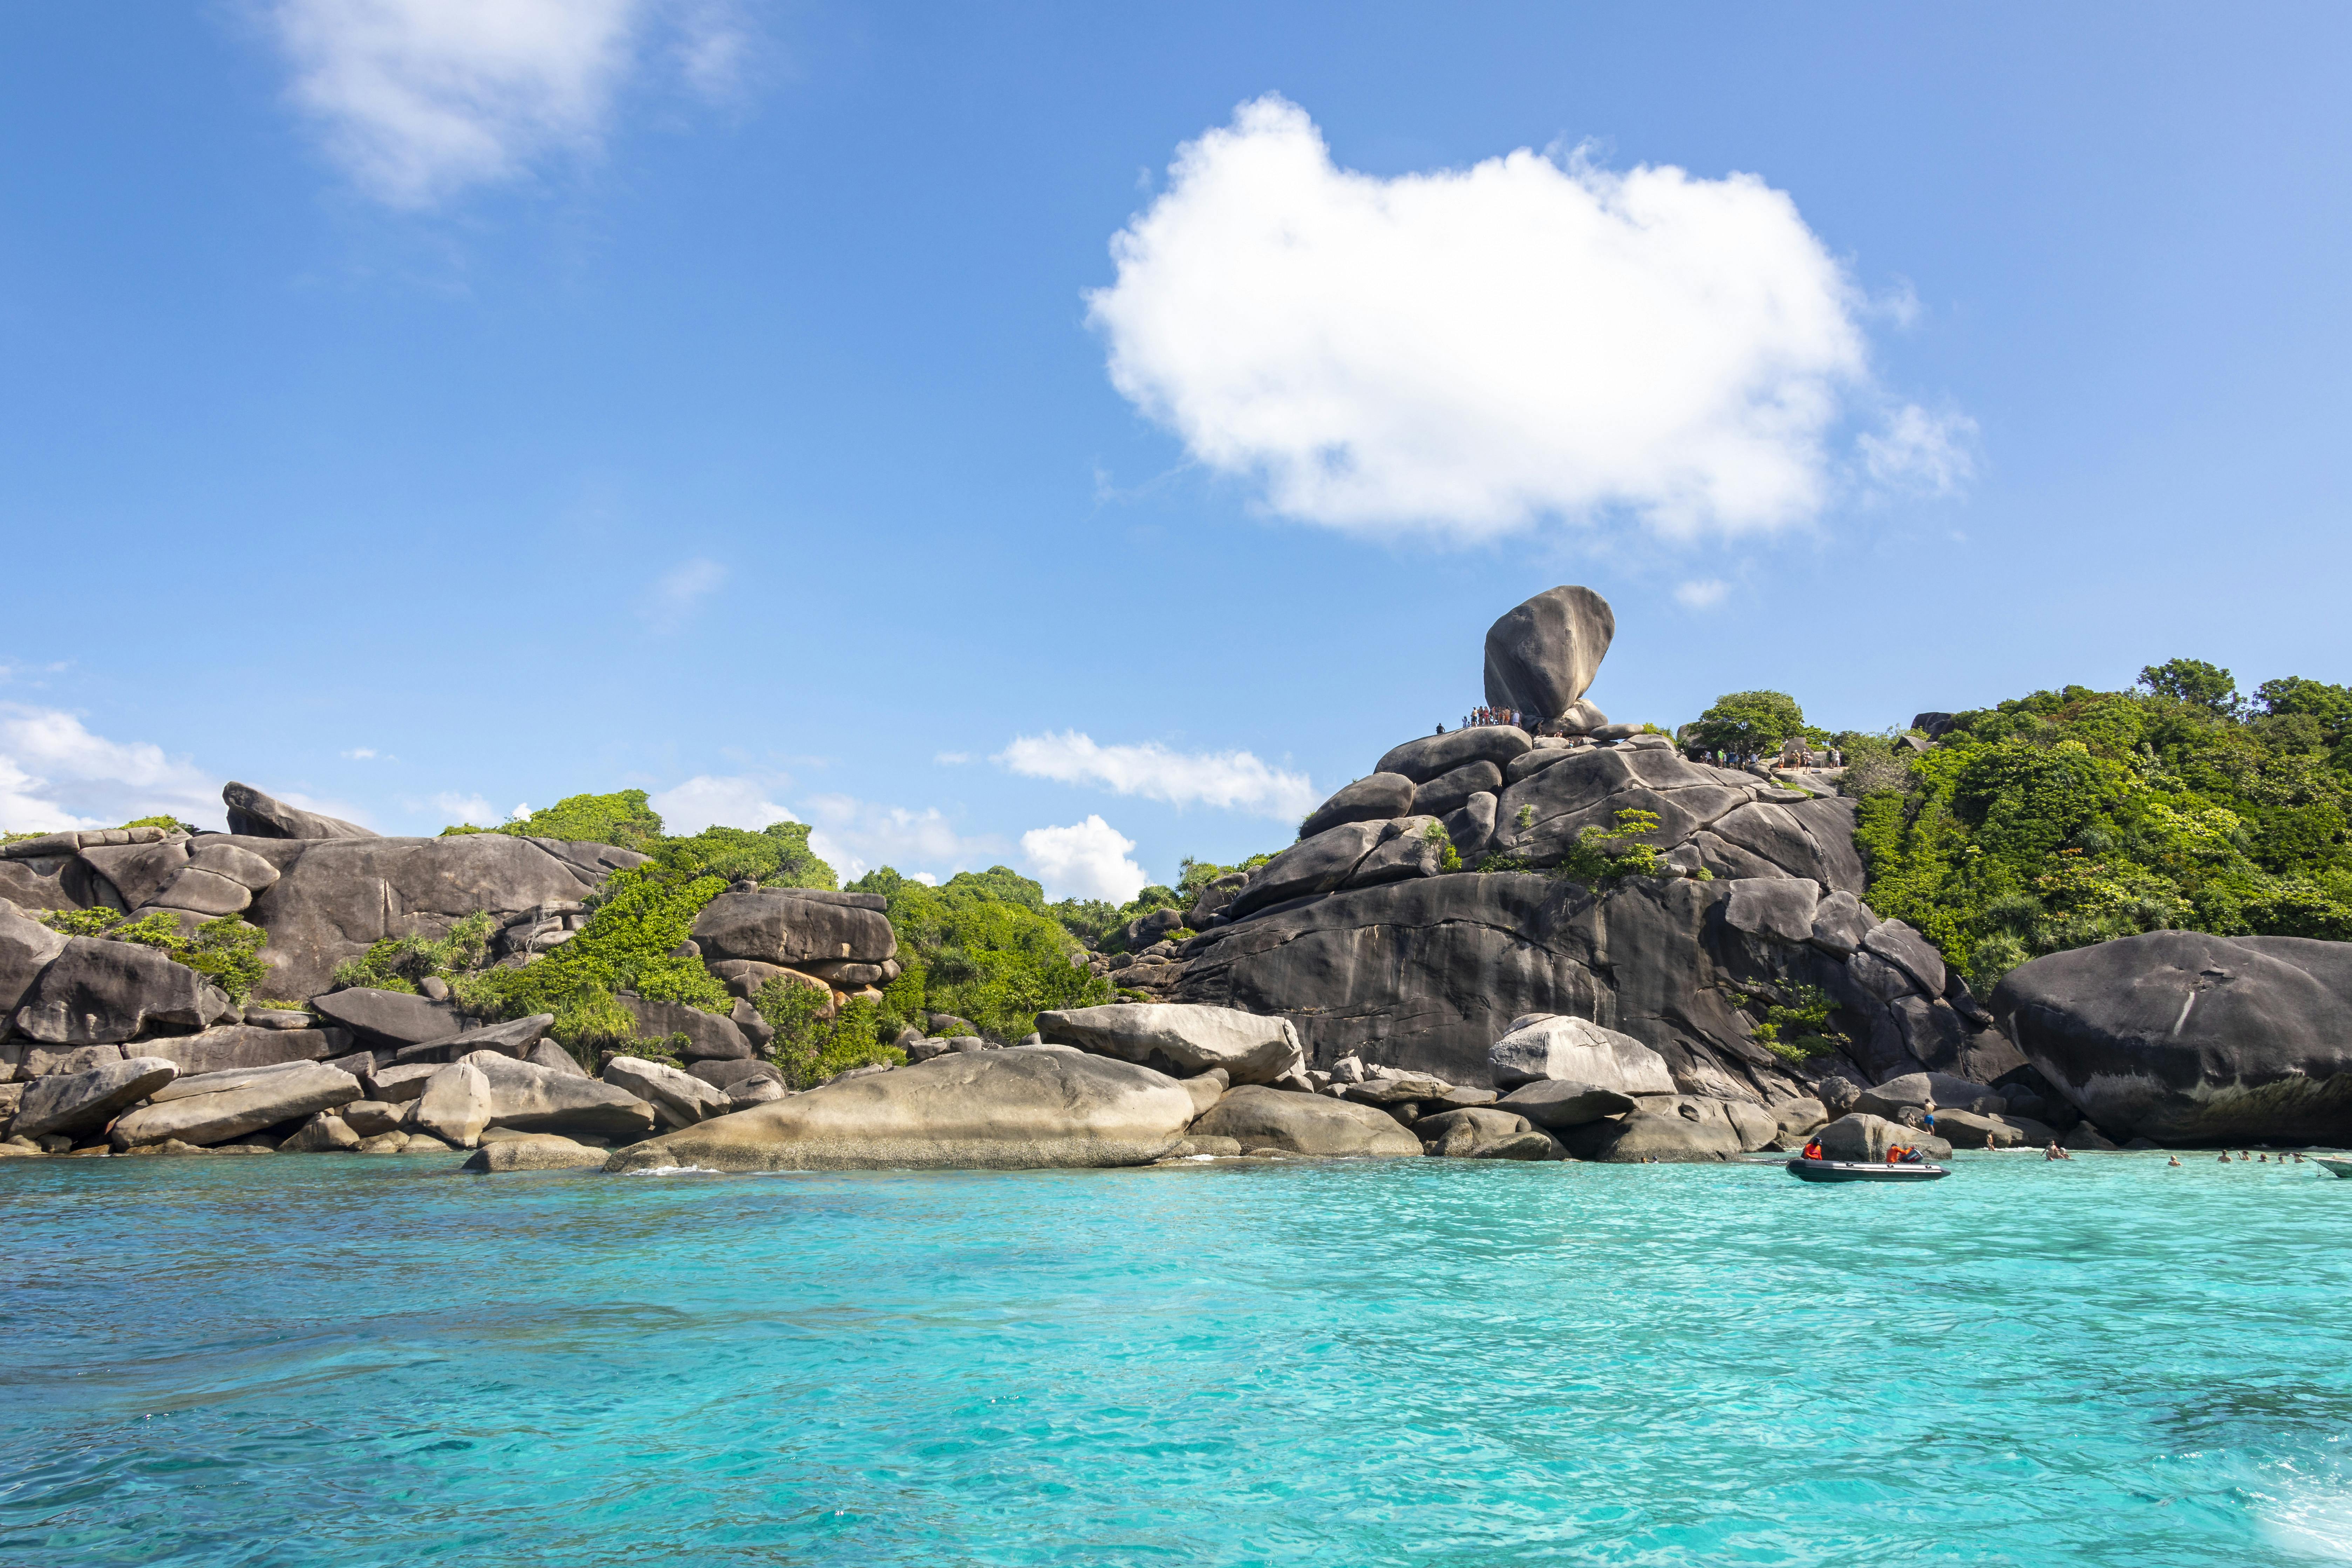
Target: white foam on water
2307,1515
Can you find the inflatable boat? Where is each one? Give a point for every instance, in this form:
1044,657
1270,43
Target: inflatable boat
2336,1164
1806,1169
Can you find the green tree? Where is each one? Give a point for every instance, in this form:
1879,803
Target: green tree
2195,682
1748,723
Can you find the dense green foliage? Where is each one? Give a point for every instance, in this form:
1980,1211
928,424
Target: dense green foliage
980,946
1604,854
2072,816
776,856
1795,1024
225,952
811,1047
1747,724
640,915
1098,921
398,963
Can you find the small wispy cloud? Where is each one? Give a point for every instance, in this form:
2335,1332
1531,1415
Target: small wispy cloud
471,809
1703,594
1920,451
672,600
951,759
855,836
1235,781
368,754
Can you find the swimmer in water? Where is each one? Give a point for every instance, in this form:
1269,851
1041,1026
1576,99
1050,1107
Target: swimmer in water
2175,1160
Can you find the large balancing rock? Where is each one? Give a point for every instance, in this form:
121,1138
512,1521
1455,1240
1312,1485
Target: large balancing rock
2184,1038
1542,656
1022,1107
800,926
1180,1039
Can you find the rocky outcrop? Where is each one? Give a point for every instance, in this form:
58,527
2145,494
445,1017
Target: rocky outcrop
1857,1136
1557,1104
1373,799
1542,656
2185,1038
214,1108
457,1104
97,992
392,1019
793,927
259,815
530,1098
676,1098
26,947
1484,1133
233,1046
1020,1106
73,1103
1258,1118
1180,1040
1577,1051
535,1151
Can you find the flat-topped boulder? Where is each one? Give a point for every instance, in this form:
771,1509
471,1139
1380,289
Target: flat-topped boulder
215,1107
792,926
1180,1039
1016,1108
1258,1118
390,1018
78,1103
532,1098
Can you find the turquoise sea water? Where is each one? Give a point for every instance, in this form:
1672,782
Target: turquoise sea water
354,1360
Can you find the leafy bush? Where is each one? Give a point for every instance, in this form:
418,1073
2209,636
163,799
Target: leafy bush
642,913
1448,858
2072,816
227,951
80,922
1794,1028
397,963
982,947
810,1047
1604,854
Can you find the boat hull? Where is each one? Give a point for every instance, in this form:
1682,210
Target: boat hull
1806,1169
2340,1167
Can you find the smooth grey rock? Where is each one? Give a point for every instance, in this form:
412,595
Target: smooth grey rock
516,1037
97,992
1798,1117
1670,1131
1451,791
751,1091
1425,758
256,814
1410,850
1257,1117
1311,865
277,1018
26,947
1578,1051
1179,1040
425,1143
1376,798
1471,829
391,1018
217,854
1778,909
538,1100
75,1103
554,1058
1554,1104
1207,1088
204,893
1584,715
1967,1130
686,1098
1874,977
41,1061
1839,922
2187,1039
792,927
757,1030
231,1045
455,1105
137,872
1484,1133
725,1076
402,1082
1543,654
323,1134
373,1118
1390,1091
1907,951
1860,1136
336,896
1536,760
708,1037
216,1108
1008,1109
534,1152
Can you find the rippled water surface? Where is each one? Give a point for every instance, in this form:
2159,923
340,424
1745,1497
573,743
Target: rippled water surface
344,1360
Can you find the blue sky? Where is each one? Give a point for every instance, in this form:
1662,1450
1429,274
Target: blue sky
423,409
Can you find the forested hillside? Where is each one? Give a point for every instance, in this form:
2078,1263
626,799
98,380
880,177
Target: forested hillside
2068,817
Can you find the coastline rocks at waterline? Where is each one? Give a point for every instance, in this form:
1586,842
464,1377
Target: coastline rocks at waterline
1555,1104
1258,1118
2187,1039
1858,1136
1180,1039
1674,1129
214,1108
76,1102
535,1151
1578,1051
678,1098
1020,1106
532,1098
1484,1133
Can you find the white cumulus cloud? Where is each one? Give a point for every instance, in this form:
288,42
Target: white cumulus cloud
1086,860
1468,350
469,808
726,802
1237,781
1703,594
671,602
855,836
55,774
